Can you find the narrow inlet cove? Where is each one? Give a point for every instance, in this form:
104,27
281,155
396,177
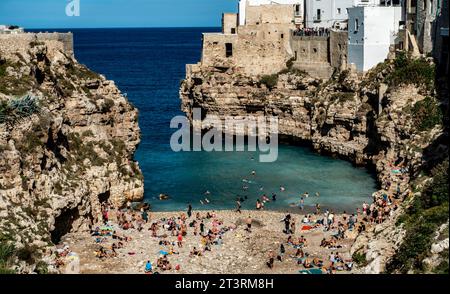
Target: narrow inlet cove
136,59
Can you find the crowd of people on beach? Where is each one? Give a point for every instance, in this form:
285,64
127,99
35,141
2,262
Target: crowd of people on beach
112,224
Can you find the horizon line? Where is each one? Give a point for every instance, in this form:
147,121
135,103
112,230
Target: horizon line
125,27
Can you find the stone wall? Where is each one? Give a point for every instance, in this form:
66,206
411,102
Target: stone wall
265,14
425,24
18,43
312,55
256,49
338,49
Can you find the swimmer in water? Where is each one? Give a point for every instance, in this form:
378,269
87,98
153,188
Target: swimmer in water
282,189
207,192
253,172
306,194
206,200
317,194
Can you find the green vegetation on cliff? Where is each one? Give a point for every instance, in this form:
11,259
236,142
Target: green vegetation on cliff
426,114
426,214
6,254
270,81
407,70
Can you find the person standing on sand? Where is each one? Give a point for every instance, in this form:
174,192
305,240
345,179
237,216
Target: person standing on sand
271,259
302,203
189,210
180,240
249,224
238,206
144,215
202,228
287,224
282,251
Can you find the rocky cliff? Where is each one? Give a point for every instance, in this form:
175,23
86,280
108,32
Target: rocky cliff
388,117
67,139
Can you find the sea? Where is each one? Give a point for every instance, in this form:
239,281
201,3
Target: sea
148,65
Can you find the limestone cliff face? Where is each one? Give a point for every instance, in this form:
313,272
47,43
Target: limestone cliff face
62,157
360,118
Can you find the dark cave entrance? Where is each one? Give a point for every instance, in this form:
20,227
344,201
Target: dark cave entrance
104,197
63,224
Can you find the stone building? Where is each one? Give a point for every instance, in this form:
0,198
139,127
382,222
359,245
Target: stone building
257,44
265,35
426,23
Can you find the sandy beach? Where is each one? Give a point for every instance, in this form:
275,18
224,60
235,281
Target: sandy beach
240,252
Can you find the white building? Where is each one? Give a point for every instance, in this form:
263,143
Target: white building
6,29
331,13
371,31
298,7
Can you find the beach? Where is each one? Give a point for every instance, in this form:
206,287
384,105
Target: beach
240,252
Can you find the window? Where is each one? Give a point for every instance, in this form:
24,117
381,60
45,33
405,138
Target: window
282,36
228,49
297,10
318,14
356,24
233,30
338,11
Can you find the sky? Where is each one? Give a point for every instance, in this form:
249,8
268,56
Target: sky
115,13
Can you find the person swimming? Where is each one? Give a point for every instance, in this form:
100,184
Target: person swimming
282,189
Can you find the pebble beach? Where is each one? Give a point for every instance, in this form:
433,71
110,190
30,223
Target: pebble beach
240,252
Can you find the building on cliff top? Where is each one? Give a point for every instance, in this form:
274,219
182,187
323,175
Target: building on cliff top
8,29
319,36
372,30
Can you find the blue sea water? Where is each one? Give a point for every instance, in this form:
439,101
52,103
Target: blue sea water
148,65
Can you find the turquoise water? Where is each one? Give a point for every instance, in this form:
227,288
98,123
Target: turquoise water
186,176
148,65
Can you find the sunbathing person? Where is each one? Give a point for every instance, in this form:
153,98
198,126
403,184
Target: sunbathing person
317,262
195,252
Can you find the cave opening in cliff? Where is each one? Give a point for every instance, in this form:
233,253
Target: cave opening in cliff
63,224
104,197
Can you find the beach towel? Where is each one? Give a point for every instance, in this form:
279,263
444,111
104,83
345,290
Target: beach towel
312,271
162,252
306,228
